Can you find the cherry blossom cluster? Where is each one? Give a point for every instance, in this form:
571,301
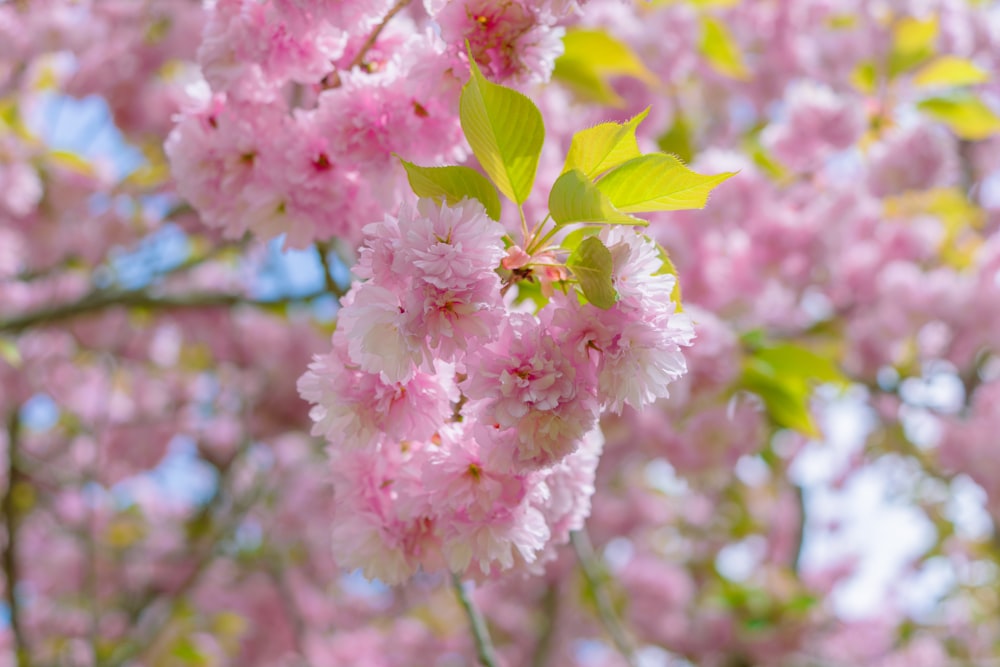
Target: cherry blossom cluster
463,426
294,126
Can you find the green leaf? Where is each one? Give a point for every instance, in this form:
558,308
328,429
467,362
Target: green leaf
668,267
605,146
951,71
575,199
506,132
912,43
677,140
573,240
591,58
720,49
657,182
865,78
787,402
783,375
789,360
453,183
592,265
966,115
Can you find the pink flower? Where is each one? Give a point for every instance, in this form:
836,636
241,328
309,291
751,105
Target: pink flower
485,516
526,382
451,247
382,524
511,41
636,349
353,408
372,321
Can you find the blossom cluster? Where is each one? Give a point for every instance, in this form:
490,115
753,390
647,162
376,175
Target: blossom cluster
303,104
463,427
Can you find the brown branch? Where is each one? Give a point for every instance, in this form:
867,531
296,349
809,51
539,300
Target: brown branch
359,59
156,606
593,575
103,299
477,624
12,520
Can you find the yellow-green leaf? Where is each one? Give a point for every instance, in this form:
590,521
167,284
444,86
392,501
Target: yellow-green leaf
677,139
657,182
669,268
574,198
864,77
720,48
787,402
788,360
951,71
966,115
506,132
592,264
591,58
605,146
912,43
453,183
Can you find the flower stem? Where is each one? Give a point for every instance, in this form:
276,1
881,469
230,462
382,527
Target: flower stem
591,572
484,645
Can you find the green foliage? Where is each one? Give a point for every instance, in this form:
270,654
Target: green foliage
453,183
602,147
913,43
657,182
677,139
720,49
966,115
591,264
506,132
668,267
591,58
783,376
576,199
951,71
572,240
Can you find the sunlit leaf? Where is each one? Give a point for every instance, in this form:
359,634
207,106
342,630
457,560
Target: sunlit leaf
453,183
591,58
864,77
912,44
506,132
720,49
572,240
669,268
574,198
951,71
592,265
657,182
605,146
966,115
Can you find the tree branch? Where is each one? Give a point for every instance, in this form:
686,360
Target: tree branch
359,59
100,300
12,522
592,573
484,645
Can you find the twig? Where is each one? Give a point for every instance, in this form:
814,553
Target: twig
359,59
99,300
550,609
800,499
591,572
205,551
484,645
332,287
12,520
